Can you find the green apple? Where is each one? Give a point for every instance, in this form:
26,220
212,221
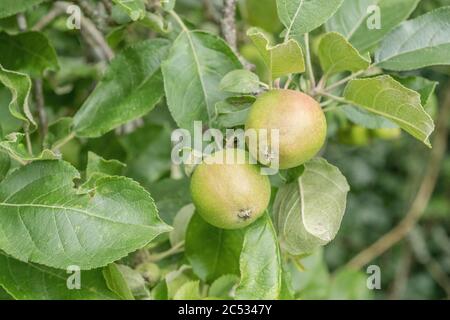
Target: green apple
229,194
299,120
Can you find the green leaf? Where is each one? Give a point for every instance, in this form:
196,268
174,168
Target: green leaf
300,16
353,20
160,291
28,52
57,226
231,119
135,281
8,122
215,257
308,213
232,112
20,86
5,164
366,119
156,23
188,291
131,87
176,279
116,282
223,286
417,43
192,72
282,59
260,263
97,164
11,7
14,145
5,295
336,55
310,276
240,81
386,97
29,281
134,8
180,224
286,292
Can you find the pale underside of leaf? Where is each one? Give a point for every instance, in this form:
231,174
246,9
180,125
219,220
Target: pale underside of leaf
316,217
388,98
308,213
417,43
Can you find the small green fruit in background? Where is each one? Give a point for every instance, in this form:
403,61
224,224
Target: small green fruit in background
387,133
298,117
229,195
354,135
150,272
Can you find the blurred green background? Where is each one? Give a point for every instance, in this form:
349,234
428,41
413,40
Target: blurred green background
384,171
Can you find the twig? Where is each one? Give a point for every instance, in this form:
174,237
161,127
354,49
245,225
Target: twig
345,80
40,106
178,248
420,249
309,62
91,31
48,18
421,200
228,26
179,21
63,142
229,23
439,275
108,6
276,83
288,82
28,140
38,94
22,24
332,108
326,103
332,97
402,272
93,14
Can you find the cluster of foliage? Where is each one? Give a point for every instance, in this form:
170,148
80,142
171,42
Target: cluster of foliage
135,70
